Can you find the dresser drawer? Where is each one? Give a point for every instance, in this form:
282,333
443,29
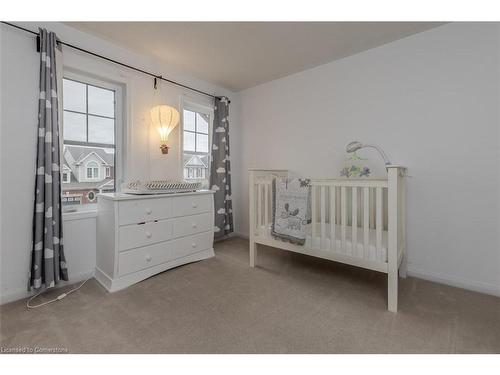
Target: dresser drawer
184,226
142,210
192,204
137,235
144,257
192,244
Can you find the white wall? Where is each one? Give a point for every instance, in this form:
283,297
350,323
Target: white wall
431,101
19,108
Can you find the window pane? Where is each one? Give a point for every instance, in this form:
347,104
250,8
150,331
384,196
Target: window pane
101,130
201,123
101,101
189,120
74,127
189,141
74,96
201,143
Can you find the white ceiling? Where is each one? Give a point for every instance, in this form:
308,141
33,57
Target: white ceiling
239,55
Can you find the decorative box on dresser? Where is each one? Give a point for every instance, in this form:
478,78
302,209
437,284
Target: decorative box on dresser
139,236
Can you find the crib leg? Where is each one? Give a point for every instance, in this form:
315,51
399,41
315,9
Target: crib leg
253,254
392,291
403,267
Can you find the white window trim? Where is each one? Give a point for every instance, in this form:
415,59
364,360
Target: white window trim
195,106
79,215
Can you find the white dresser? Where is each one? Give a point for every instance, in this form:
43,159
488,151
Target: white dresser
141,235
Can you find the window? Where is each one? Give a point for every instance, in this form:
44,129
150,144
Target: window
196,143
91,196
91,133
92,170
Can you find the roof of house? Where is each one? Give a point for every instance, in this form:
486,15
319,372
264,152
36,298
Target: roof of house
79,153
195,160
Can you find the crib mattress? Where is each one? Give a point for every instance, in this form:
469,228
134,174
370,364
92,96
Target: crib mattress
358,251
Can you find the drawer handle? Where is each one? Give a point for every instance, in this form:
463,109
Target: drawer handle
193,246
194,225
149,211
194,205
148,234
148,258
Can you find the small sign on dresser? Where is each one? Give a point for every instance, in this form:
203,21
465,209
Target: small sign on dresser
159,187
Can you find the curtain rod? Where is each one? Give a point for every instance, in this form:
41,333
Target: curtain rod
156,76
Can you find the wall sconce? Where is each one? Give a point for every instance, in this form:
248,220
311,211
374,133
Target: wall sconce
165,119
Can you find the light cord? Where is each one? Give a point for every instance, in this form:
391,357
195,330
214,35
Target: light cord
58,298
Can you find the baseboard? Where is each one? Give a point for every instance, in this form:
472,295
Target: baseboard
458,282
226,237
23,293
476,286
241,235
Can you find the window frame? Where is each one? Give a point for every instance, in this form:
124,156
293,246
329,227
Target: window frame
194,106
120,128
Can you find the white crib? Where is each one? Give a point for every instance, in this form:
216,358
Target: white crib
357,222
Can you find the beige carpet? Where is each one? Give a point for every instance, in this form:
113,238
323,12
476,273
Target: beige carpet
289,304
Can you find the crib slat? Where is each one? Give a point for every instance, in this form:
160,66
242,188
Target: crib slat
313,215
354,222
379,223
343,216
333,238
323,217
266,205
259,206
373,211
366,222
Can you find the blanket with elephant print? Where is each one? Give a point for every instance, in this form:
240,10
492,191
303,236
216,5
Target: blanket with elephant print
291,209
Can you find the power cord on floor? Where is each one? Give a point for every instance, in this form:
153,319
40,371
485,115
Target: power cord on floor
58,298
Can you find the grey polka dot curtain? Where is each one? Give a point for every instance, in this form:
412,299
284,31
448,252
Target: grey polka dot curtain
220,173
48,264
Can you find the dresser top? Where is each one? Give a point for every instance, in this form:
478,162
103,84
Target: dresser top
127,196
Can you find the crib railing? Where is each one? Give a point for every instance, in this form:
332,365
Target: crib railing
356,206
